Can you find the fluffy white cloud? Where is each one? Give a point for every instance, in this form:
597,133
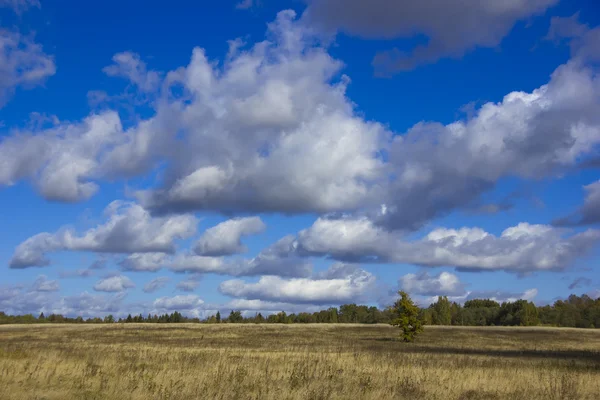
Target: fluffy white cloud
150,262
23,62
351,288
178,303
528,135
443,284
271,129
61,160
520,248
225,238
129,229
117,283
129,65
452,26
15,300
260,265
42,284
156,284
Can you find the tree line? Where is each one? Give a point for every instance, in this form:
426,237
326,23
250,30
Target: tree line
576,311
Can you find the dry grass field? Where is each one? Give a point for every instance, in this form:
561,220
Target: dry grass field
295,362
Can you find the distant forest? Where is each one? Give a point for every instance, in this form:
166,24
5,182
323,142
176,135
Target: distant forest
576,311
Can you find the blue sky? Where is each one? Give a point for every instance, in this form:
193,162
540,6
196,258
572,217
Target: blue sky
292,155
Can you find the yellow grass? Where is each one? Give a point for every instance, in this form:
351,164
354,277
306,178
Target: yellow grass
295,362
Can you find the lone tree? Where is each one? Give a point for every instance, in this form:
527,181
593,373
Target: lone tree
406,317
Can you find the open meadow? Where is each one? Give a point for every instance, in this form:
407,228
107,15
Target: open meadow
201,361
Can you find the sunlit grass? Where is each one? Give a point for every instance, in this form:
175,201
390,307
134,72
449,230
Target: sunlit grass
295,362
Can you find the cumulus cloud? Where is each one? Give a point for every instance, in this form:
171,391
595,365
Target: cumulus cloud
43,284
129,229
443,284
23,62
156,284
61,160
117,283
271,129
527,135
260,265
351,288
188,285
520,248
18,301
589,212
8,292
453,27
129,65
225,238
178,303
150,262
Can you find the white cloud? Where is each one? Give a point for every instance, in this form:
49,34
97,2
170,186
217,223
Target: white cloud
302,290
23,63
188,285
453,27
42,284
117,283
271,129
129,65
225,238
14,300
129,229
156,284
589,212
199,264
86,305
61,160
520,248
178,303
150,262
526,135
260,265
443,284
